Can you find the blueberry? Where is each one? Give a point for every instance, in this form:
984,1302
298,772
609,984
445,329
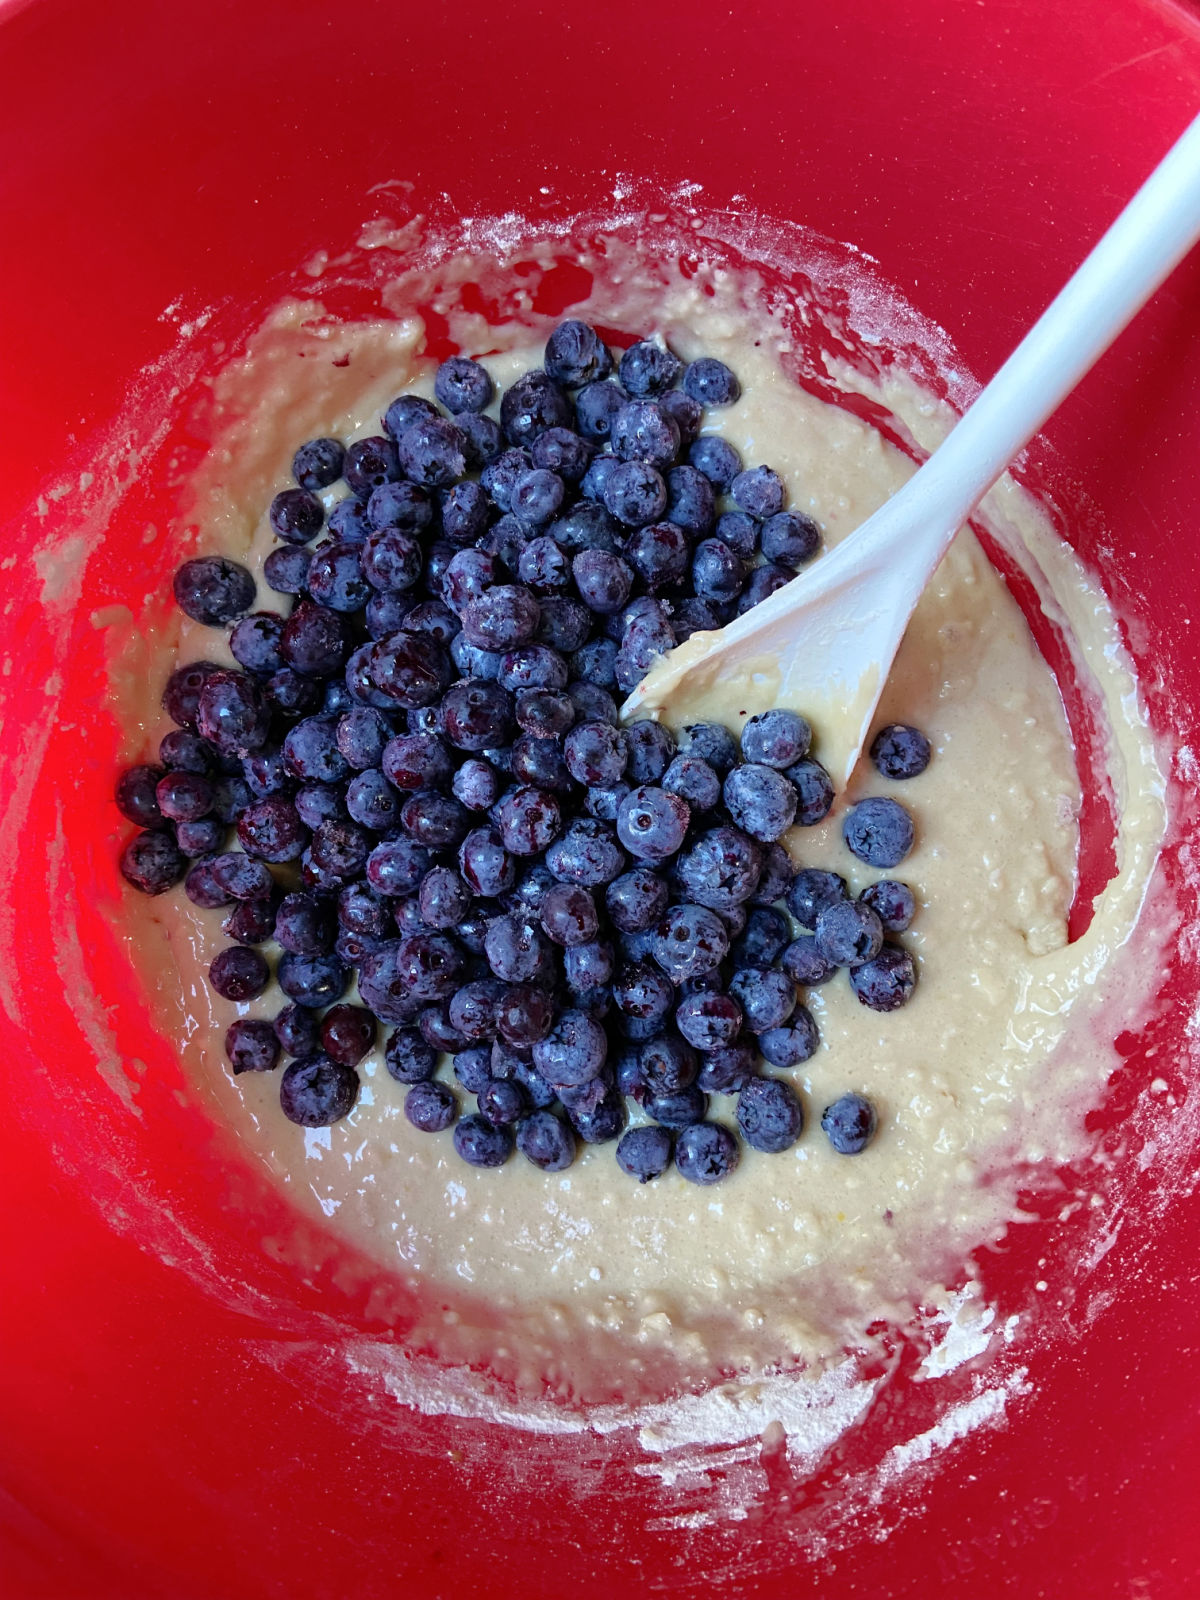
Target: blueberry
643,431
255,642
318,802
685,412
233,713
679,1110
586,854
602,1122
596,663
408,1057
790,538
717,460
740,533
463,385
546,1141
572,1052
335,579
766,936
391,560
485,864
152,862
293,693
812,890
849,1124
533,404
544,713
659,554
636,900
271,829
537,496
848,932
524,1016
304,924
470,574
136,795
814,787
315,1091
758,491
466,512
776,738
651,750
766,995
181,697
563,452
529,820
568,914
887,982
792,1043
596,405
690,501
879,832
596,753
536,761
604,581
251,1045
404,411
544,566
705,1152
502,618
396,866
431,452
430,1106
313,981
502,1103
645,1153
576,355
710,382
484,440
402,507
648,368
500,476
718,573
369,463
694,781
318,463
242,878
729,1069
760,800
417,761
690,941
515,950
477,785
634,493
643,991
200,838
437,1030
314,640
286,569
477,715
722,869
893,903
652,822
473,1067
296,516
444,898
348,522
347,1033
648,634
409,670
900,751
213,590
532,666
769,1115
239,973
564,624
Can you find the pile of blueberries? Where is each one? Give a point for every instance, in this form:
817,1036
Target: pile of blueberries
433,794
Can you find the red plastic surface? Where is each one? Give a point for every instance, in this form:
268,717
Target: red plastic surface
159,1440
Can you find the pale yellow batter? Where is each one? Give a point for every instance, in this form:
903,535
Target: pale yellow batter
584,1281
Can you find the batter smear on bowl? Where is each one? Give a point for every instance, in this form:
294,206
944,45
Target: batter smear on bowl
826,1041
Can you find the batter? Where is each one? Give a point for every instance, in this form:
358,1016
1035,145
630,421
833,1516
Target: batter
584,1283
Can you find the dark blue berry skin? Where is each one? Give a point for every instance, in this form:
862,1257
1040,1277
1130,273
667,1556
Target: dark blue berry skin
718,573
758,491
181,697
763,581
477,715
690,941
294,694
812,890
679,1110
848,932
879,832
463,385
776,738
694,781
576,355
406,410
213,590
417,761
651,823
472,1068
524,1015
586,854
596,405
136,794
887,982
814,787
255,642
184,796
348,522
603,1122
369,463
645,1153
545,566
544,713
705,1152
501,1103
529,821
634,493
305,924
711,383
317,803
568,914
727,1070
477,785
152,862
437,1029
596,663
408,1057
717,460
651,751
804,963
500,476
466,512
769,1115
686,413
644,992
296,516
347,1034
546,1141
643,431
335,579
239,973
722,869
790,538
315,640
532,666
242,878
391,560
564,624
573,1051
659,554
536,761
298,1031
430,1106
849,1124
739,532
690,502
314,981
648,369
761,801
709,1020
563,452
766,995
311,751
362,736
251,921
233,713
502,618
409,670
252,1045
431,452
318,463
286,569
486,866
403,506
531,405
469,575
433,619
443,898
763,940
395,867
893,903
793,1043
900,751
200,838
484,440
316,1091
372,802
604,581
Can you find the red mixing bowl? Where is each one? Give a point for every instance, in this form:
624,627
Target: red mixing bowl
176,1414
